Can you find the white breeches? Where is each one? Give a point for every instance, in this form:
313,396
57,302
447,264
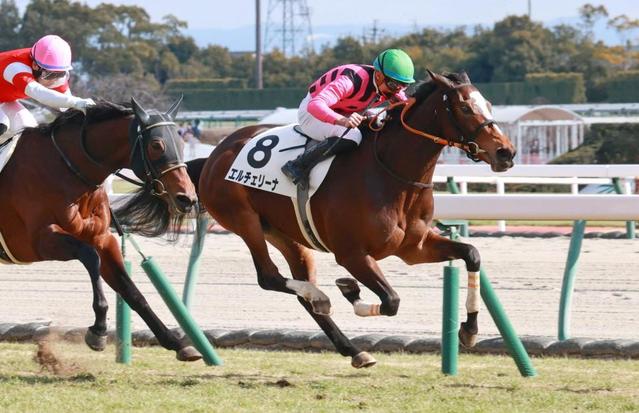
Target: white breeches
319,130
16,117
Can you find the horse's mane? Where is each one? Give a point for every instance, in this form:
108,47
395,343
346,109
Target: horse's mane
103,110
424,89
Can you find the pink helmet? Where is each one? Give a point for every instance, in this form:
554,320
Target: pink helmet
52,53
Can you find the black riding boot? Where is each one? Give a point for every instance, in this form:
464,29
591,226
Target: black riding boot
298,169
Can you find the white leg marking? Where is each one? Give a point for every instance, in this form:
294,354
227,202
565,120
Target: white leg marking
306,290
474,297
363,309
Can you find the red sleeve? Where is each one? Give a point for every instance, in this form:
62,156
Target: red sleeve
21,80
62,88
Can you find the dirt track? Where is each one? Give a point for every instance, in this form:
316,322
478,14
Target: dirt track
526,274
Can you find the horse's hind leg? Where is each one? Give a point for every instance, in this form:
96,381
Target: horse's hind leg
301,263
436,248
60,246
365,269
246,224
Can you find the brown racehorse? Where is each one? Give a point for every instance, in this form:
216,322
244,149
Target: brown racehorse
375,202
53,207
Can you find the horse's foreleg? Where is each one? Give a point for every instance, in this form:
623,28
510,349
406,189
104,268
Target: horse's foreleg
56,245
365,269
436,248
300,261
114,273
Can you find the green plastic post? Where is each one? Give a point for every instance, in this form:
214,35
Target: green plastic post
630,225
194,260
180,312
454,189
450,321
513,343
123,326
570,272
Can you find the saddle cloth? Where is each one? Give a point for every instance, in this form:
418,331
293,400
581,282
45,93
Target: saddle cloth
258,163
258,166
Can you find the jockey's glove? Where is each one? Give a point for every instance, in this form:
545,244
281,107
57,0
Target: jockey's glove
83,104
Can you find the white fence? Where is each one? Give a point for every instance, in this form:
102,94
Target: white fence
537,207
573,175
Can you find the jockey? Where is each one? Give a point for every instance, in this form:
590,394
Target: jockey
41,73
329,112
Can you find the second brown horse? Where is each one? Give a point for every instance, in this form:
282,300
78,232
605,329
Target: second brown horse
375,202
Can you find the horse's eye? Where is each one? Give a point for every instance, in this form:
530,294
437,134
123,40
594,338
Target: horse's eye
157,145
466,109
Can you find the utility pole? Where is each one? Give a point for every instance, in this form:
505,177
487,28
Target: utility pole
258,47
530,9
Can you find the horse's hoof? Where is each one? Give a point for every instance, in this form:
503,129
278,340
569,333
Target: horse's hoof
466,338
347,285
188,353
322,307
363,359
94,341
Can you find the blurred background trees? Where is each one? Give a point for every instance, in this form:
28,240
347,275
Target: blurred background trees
121,42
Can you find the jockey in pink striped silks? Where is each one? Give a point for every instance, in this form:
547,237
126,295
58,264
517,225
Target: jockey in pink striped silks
330,111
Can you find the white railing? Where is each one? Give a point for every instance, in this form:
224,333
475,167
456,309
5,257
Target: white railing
573,175
537,207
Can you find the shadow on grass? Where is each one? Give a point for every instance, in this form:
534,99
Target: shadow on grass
46,379
481,386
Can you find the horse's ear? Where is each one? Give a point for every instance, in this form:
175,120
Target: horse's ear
139,112
174,108
440,80
464,77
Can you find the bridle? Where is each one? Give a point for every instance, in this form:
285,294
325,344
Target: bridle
464,142
142,166
472,149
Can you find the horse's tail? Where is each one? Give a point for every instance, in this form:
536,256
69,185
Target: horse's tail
194,169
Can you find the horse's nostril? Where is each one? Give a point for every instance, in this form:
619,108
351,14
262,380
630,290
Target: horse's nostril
185,201
504,154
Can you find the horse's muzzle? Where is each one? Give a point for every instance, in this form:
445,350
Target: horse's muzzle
184,203
503,160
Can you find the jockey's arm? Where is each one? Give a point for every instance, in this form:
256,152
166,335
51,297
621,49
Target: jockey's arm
320,105
51,97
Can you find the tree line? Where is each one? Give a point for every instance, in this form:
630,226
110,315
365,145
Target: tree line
120,41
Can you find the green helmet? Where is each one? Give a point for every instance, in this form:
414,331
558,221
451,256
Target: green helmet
396,64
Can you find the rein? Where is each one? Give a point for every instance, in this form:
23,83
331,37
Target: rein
468,145
471,148
70,164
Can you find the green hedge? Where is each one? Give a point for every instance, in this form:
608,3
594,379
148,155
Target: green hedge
236,99
605,143
539,88
184,85
623,87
